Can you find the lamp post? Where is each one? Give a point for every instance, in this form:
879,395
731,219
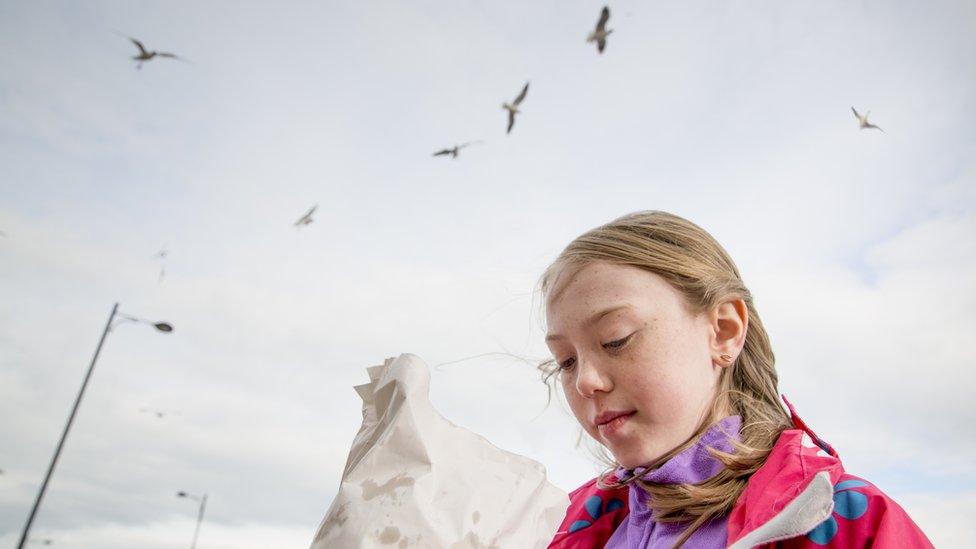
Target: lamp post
162,327
203,507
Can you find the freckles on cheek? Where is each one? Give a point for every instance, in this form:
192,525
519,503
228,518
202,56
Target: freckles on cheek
574,401
656,393
578,407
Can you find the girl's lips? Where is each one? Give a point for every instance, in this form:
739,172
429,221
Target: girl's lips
612,427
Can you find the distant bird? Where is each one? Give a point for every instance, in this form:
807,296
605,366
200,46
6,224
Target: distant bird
454,152
145,55
159,413
512,107
863,120
599,35
307,218
161,254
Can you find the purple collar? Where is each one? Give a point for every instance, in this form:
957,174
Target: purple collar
692,466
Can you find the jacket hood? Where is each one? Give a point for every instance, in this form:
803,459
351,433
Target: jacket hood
791,493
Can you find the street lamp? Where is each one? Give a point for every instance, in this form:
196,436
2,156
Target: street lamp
162,327
203,507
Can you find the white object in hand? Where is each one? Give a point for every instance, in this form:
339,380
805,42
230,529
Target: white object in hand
414,479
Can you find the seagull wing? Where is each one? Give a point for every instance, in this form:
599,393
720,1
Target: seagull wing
604,16
173,56
600,44
442,152
875,127
511,121
521,96
142,49
307,218
855,113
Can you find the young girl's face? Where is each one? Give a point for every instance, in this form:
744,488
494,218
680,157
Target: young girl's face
627,348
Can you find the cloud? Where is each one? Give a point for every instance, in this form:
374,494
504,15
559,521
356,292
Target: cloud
174,533
855,244
946,519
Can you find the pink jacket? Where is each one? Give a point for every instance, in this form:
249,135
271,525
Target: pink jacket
800,498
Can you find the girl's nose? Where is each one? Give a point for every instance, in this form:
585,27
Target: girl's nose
590,378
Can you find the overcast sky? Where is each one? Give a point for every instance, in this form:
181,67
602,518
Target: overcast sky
858,245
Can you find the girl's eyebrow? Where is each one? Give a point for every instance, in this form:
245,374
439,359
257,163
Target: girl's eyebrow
593,319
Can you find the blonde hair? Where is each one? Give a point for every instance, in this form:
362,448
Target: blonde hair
697,266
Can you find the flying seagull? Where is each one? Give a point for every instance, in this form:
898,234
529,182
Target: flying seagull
159,413
599,35
161,254
307,218
863,120
512,107
145,55
454,152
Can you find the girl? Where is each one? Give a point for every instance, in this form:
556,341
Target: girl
663,359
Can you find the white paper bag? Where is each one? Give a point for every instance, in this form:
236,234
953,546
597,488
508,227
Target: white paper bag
414,479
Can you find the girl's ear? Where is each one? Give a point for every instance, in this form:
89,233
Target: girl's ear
729,322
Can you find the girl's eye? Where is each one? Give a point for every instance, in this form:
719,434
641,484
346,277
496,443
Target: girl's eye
617,344
612,345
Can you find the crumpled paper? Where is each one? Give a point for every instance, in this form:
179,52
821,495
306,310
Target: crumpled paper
414,479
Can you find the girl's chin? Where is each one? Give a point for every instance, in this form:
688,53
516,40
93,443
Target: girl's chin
634,460
629,464
629,461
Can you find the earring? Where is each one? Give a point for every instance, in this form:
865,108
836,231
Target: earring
726,358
